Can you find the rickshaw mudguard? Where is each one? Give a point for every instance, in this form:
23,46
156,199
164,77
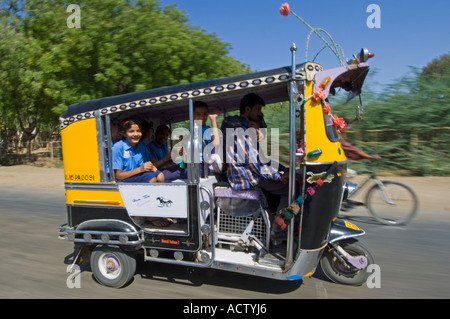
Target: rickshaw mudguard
342,229
104,231
106,225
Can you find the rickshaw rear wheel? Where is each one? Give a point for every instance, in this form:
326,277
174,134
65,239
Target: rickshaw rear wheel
346,274
111,266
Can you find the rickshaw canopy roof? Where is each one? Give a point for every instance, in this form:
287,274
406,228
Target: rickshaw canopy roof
171,103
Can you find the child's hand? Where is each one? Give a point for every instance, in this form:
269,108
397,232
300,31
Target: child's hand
213,116
148,167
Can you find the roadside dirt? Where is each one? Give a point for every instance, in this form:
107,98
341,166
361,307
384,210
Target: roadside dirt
433,192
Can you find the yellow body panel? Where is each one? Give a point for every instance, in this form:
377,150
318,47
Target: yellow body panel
93,197
80,152
316,136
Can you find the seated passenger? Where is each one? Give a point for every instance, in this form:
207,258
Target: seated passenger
148,134
130,157
161,157
245,169
131,162
207,135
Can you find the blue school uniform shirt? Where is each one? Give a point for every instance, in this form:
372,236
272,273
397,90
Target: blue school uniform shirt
127,158
157,151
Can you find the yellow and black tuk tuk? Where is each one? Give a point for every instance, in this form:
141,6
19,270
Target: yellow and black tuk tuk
216,226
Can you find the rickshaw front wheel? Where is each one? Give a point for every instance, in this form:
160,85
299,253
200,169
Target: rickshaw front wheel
111,266
344,273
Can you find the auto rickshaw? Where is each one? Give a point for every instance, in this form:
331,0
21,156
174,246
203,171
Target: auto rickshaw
217,227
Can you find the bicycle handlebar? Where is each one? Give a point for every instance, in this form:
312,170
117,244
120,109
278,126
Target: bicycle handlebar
371,173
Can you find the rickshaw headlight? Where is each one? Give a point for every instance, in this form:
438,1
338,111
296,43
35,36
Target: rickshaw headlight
365,55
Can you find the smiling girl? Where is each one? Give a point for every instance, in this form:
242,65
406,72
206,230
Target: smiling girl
131,159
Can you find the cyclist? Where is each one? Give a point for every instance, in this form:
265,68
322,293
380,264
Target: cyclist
354,153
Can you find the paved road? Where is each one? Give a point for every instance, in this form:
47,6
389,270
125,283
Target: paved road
414,260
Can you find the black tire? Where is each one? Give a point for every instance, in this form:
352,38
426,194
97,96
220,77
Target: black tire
111,266
402,208
340,273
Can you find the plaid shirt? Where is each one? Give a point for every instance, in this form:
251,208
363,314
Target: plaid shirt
244,166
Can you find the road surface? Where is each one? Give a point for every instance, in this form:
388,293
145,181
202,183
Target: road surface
413,259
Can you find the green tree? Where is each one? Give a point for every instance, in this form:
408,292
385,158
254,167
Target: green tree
121,46
22,98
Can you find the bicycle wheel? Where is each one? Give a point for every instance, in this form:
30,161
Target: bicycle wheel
392,204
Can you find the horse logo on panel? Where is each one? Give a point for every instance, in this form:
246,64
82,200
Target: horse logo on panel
163,202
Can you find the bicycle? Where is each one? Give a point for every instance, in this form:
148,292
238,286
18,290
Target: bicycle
389,202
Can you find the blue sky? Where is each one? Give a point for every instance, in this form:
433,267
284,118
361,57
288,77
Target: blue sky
412,32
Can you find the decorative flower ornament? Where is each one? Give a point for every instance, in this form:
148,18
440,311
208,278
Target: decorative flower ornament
326,109
284,10
338,122
318,95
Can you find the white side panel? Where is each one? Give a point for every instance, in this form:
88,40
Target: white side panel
155,200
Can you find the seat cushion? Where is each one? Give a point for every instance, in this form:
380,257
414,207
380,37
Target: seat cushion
232,193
